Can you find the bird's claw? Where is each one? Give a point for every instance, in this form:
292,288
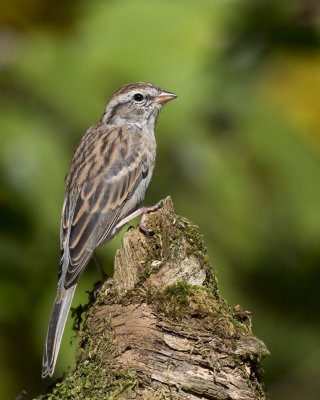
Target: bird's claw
143,228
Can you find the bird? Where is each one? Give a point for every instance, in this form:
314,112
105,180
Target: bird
109,174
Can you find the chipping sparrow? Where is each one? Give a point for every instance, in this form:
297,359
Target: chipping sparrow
107,180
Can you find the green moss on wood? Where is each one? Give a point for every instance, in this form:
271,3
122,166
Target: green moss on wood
183,301
92,382
93,379
186,305
182,227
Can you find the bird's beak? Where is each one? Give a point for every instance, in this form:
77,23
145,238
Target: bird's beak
164,97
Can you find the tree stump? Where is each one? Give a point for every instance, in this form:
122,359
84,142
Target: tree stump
160,328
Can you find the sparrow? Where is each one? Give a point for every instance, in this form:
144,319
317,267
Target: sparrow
106,182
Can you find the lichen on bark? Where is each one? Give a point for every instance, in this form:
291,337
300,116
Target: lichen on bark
160,328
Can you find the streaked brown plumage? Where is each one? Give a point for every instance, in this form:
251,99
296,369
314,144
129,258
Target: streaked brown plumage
107,180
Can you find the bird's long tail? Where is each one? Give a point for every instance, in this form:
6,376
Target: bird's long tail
57,322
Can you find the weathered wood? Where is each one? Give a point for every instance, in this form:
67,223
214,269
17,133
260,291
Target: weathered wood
160,329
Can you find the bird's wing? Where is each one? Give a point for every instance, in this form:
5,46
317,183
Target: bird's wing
104,174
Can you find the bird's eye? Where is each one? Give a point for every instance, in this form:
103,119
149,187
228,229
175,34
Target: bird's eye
138,97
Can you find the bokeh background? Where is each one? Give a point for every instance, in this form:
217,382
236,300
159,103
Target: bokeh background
239,152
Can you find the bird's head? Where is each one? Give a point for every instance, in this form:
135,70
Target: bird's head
137,103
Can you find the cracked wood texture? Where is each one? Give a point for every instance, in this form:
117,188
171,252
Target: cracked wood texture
160,328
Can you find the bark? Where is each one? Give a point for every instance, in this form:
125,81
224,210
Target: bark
160,328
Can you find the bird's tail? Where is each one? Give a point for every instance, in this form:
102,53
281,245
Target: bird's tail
57,322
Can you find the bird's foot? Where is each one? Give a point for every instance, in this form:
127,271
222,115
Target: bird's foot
141,211
146,210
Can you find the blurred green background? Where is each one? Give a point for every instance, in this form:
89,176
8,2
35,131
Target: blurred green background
239,152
